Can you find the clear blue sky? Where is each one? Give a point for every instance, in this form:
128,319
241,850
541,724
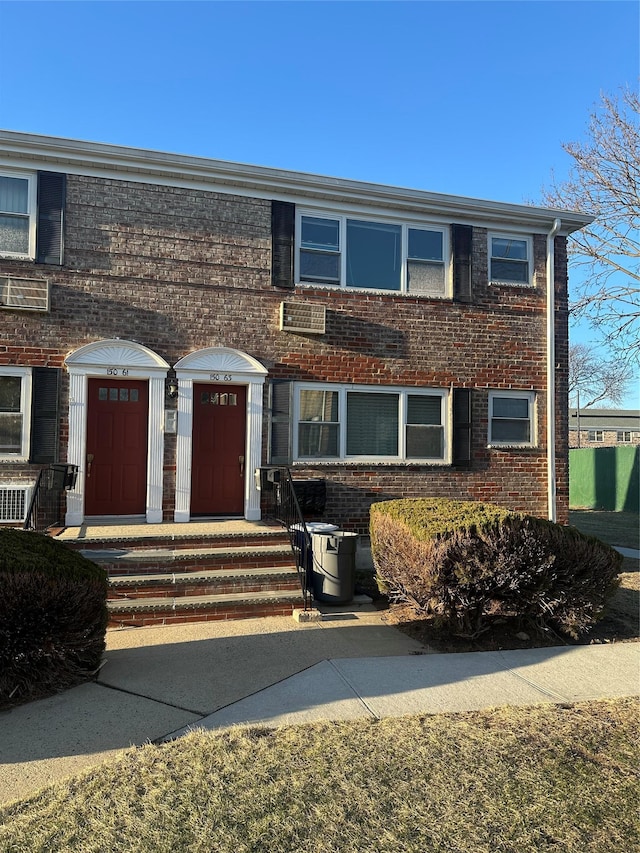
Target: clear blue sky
469,98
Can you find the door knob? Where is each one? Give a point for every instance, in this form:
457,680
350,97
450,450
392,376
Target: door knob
241,461
89,461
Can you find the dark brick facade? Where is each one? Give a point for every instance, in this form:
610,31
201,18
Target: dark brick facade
179,269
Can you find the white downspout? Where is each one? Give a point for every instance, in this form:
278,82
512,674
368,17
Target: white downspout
551,375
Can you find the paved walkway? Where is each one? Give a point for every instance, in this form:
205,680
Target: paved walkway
158,682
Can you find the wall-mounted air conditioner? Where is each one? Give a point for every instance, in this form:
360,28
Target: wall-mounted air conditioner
14,503
302,317
30,294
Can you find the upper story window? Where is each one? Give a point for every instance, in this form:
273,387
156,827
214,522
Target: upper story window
341,251
511,421
15,405
595,435
360,422
17,208
510,259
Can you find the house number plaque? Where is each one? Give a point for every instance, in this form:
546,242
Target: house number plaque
221,377
117,371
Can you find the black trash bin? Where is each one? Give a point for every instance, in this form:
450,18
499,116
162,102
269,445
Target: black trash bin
334,566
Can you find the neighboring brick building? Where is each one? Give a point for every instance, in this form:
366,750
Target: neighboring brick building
604,427
390,341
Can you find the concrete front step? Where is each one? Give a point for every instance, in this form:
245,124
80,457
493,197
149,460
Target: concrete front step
123,561
201,608
219,581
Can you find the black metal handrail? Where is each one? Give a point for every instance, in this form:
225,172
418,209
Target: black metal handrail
44,507
281,503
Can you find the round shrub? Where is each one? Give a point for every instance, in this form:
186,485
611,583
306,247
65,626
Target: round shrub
53,616
466,561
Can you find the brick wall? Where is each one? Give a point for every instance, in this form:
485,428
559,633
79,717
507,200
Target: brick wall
178,270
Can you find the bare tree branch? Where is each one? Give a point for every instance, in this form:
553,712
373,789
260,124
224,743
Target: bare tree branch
596,380
605,182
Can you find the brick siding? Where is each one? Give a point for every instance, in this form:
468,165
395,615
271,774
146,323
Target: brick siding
178,270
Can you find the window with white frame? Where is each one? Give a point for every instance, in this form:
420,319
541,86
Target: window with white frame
511,418
595,435
342,251
510,259
623,436
17,212
15,406
361,422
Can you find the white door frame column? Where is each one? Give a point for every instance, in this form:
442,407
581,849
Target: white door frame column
219,365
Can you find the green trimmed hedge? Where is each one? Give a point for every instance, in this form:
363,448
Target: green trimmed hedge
53,616
466,562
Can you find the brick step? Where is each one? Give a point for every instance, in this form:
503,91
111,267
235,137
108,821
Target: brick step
124,561
202,608
199,583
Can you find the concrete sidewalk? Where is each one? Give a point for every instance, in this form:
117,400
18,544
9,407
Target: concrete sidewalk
159,682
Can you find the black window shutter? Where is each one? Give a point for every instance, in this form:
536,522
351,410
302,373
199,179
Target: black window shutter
52,189
461,426
283,215
44,414
461,238
280,422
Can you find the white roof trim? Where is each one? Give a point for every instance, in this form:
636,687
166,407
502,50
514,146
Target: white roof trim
35,151
116,354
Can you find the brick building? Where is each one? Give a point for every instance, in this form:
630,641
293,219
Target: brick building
604,427
171,323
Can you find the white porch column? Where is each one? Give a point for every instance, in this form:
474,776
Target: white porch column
155,458
76,451
183,450
254,449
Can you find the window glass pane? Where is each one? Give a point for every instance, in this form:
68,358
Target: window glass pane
102,394
113,393
320,266
517,271
510,407
124,395
425,442
14,234
320,233
10,390
10,433
425,278
423,409
505,247
372,424
509,430
14,195
425,245
374,255
319,406
133,396
316,439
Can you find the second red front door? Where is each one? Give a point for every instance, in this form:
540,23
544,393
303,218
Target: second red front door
218,449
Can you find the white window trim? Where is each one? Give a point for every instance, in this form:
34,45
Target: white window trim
503,235
32,200
25,411
403,392
533,431
405,224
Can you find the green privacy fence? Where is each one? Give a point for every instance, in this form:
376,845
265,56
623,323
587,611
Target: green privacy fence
605,478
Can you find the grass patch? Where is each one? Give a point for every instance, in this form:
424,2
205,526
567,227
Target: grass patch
510,780
616,528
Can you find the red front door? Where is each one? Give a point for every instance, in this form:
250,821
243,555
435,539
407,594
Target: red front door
217,462
116,463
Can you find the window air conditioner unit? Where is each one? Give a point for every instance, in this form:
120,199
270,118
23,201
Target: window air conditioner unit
14,503
31,294
302,317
